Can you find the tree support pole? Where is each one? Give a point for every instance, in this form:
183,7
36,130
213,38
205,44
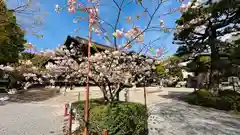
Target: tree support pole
144,91
86,108
70,122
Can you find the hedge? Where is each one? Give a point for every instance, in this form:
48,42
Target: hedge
224,100
119,118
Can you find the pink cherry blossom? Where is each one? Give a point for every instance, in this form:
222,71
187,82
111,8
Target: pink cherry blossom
135,31
123,68
159,50
93,15
129,19
128,46
72,5
118,33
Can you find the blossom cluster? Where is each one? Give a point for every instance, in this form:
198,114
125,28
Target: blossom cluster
72,5
110,70
184,7
135,32
6,68
29,75
93,15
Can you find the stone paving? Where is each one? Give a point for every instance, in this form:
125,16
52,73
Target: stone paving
31,113
178,118
36,114
170,116
29,119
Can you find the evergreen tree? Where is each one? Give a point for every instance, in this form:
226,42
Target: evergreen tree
11,36
202,26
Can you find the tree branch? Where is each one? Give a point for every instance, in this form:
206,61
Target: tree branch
127,4
118,17
149,23
22,8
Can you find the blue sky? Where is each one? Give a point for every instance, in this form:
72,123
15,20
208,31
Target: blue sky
57,26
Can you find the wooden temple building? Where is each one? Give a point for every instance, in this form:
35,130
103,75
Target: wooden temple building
81,46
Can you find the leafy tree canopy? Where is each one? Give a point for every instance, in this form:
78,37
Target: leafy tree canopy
170,67
203,24
11,36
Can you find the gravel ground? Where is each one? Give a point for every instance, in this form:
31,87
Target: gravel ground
29,119
174,117
31,113
40,113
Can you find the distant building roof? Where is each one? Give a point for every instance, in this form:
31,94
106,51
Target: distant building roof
84,41
97,44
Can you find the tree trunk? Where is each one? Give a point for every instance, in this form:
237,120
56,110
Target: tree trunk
111,94
214,55
117,95
104,91
233,84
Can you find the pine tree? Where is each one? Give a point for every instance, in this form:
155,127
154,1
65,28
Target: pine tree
203,24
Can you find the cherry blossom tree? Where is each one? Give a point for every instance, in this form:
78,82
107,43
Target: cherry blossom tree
128,28
24,74
116,69
111,71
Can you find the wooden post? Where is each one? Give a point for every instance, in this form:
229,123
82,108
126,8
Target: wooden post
78,96
105,132
145,101
144,92
70,122
65,90
86,108
65,126
66,109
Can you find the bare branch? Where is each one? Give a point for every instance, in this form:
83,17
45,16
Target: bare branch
109,24
127,4
118,17
149,23
145,9
116,4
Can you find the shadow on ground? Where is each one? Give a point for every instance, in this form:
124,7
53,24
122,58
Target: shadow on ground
33,96
175,95
175,117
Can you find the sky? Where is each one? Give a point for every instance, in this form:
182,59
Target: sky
57,26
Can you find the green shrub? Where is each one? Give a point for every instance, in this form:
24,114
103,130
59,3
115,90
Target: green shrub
224,103
191,98
203,93
225,100
228,93
205,98
229,100
200,97
120,118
